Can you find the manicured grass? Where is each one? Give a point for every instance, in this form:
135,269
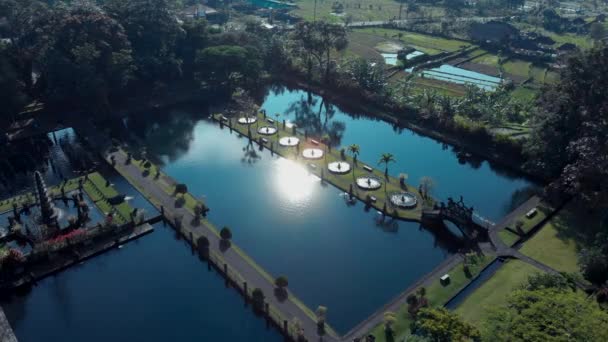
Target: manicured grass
551,249
342,182
7,204
437,295
99,191
495,290
425,43
508,237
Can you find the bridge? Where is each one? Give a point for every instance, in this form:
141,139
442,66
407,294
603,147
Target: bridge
460,215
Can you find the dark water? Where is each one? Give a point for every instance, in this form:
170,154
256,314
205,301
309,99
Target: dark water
493,192
333,254
152,289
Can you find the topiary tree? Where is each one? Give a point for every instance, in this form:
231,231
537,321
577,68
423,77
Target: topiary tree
226,234
181,189
281,282
257,297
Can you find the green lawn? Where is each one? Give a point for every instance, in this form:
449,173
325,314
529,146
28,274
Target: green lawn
494,291
508,237
99,191
437,295
422,42
551,249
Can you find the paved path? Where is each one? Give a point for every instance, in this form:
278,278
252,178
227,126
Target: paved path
400,22
377,317
6,333
288,308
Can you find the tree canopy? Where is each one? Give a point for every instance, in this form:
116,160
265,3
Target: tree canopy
440,325
547,315
570,138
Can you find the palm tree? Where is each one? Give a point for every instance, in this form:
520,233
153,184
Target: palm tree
385,159
354,150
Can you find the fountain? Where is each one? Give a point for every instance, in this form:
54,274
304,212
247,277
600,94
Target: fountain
369,183
312,153
289,141
404,200
339,167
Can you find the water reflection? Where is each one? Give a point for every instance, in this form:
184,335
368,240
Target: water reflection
293,182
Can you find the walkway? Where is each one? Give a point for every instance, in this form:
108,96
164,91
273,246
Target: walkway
377,317
6,333
255,279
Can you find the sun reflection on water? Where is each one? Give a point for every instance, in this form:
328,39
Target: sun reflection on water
293,182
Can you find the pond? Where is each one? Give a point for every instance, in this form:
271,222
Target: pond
493,191
331,251
457,75
153,289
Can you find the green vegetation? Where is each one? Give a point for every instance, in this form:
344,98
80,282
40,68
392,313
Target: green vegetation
508,237
425,43
517,67
7,204
438,324
437,295
548,247
546,314
494,291
100,191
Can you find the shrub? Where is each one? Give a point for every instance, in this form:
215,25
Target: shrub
181,188
281,282
257,296
226,233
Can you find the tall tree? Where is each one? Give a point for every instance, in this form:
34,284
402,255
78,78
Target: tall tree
89,59
154,32
11,87
228,66
440,325
570,138
28,28
547,315
317,40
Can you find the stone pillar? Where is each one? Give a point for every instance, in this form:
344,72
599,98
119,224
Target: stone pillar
226,269
285,326
245,289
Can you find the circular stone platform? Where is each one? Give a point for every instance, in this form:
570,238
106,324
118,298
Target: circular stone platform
339,167
289,141
404,200
369,183
247,121
267,130
312,153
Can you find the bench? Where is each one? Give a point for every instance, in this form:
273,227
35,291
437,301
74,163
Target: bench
223,118
444,279
314,142
270,120
530,214
373,199
265,141
367,168
312,166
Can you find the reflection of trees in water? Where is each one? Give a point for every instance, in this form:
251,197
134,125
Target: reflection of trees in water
519,196
165,134
250,155
445,238
313,114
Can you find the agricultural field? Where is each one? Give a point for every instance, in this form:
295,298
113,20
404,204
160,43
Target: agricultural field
357,10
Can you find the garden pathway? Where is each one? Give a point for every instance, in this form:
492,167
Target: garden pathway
255,279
